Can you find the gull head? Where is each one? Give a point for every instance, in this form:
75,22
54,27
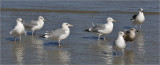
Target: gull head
140,10
134,30
66,25
109,19
120,33
41,18
19,20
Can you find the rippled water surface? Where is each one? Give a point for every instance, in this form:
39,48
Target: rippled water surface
80,47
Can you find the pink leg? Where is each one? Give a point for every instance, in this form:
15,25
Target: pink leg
15,39
99,36
59,43
20,38
32,33
104,38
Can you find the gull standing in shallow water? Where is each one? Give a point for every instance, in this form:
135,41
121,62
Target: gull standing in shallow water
18,29
120,44
58,34
102,29
35,25
130,34
138,19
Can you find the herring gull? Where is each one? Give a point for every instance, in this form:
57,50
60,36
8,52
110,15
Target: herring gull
119,43
102,29
35,25
19,29
138,19
58,34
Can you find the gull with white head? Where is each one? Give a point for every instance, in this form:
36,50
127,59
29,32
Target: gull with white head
120,44
58,34
18,29
35,25
102,29
138,19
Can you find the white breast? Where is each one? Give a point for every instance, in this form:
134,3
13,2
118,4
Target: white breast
139,19
108,29
19,29
39,26
64,35
120,43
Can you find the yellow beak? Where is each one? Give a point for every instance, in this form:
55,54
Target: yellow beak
22,21
70,25
114,21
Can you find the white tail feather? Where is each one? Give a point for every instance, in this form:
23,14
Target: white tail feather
93,24
11,32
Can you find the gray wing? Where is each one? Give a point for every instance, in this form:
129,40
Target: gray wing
31,24
98,27
133,17
56,33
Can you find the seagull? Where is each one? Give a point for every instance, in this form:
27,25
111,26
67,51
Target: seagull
102,29
138,19
19,29
120,44
35,25
58,34
130,34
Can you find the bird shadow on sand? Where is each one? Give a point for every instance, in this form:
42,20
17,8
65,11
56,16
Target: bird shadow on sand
12,39
30,33
51,44
92,38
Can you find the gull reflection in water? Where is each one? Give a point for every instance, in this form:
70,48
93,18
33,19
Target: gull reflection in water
129,57
119,60
140,45
106,52
39,50
64,56
19,52
58,56
126,59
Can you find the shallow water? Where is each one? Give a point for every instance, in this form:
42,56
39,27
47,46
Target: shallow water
80,47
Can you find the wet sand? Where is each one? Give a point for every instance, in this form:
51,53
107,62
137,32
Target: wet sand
80,47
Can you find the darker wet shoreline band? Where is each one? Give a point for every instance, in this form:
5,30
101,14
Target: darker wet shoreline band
77,11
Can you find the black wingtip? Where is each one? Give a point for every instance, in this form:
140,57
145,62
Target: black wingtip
131,19
42,36
137,31
87,30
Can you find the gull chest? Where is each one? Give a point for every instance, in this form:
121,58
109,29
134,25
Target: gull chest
140,18
20,28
